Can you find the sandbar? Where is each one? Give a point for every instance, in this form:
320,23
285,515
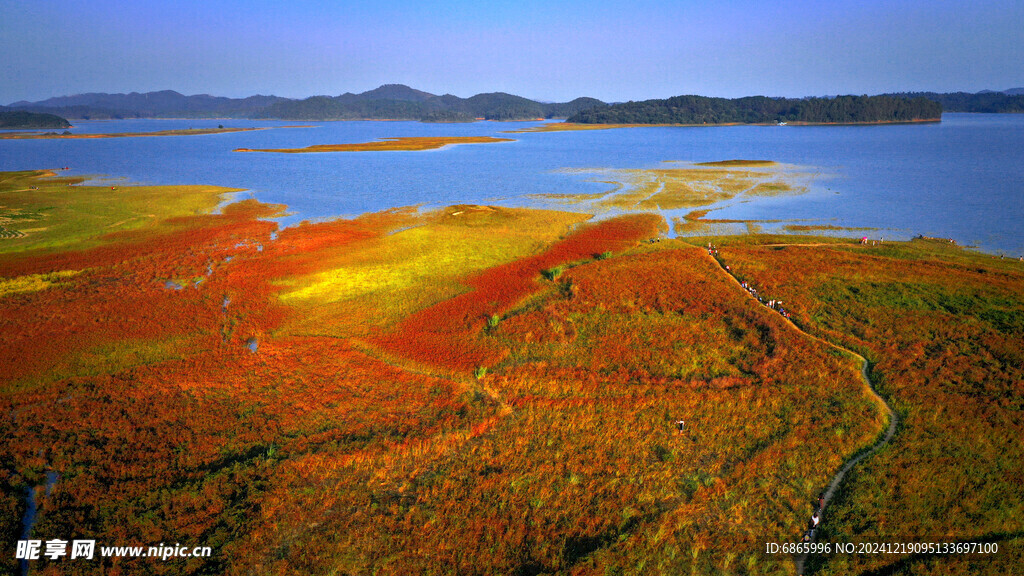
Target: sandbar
414,143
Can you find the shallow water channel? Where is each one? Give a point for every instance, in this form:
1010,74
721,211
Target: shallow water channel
28,521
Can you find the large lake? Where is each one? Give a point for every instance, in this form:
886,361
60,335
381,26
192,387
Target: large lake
962,178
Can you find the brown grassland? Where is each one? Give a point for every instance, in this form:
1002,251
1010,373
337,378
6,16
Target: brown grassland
486,390
400,143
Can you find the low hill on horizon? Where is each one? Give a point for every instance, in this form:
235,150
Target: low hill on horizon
401,102
161,104
762,110
390,101
18,119
398,102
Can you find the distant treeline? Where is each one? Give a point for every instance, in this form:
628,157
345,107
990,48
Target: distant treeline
403,103
389,102
21,119
987,102
399,102
762,109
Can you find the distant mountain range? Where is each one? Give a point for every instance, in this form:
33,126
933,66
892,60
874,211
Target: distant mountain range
396,102
163,104
391,101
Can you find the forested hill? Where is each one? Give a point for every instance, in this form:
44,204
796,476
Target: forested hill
388,102
761,110
400,102
162,104
17,119
1010,101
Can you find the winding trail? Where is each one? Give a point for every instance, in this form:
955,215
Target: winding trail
894,420
884,439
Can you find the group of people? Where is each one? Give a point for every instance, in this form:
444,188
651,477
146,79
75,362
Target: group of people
812,524
773,304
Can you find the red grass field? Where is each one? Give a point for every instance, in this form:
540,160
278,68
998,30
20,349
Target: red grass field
507,415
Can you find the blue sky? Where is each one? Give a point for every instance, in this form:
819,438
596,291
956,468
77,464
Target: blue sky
539,49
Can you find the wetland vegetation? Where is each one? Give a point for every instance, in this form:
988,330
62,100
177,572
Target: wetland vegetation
490,390
683,185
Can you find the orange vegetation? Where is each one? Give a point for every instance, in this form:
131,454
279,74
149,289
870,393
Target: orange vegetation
943,331
403,143
444,335
502,412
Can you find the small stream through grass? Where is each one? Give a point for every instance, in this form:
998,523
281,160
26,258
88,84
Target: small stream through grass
28,521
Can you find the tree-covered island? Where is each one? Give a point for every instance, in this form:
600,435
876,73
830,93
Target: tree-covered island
763,110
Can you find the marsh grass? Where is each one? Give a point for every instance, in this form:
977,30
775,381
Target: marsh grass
64,213
551,273
366,436
942,328
34,282
692,185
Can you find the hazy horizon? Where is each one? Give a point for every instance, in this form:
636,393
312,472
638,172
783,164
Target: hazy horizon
541,99
650,49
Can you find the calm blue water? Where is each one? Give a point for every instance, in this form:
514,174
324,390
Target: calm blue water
961,179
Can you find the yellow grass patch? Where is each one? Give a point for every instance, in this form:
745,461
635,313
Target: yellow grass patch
397,274
33,282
